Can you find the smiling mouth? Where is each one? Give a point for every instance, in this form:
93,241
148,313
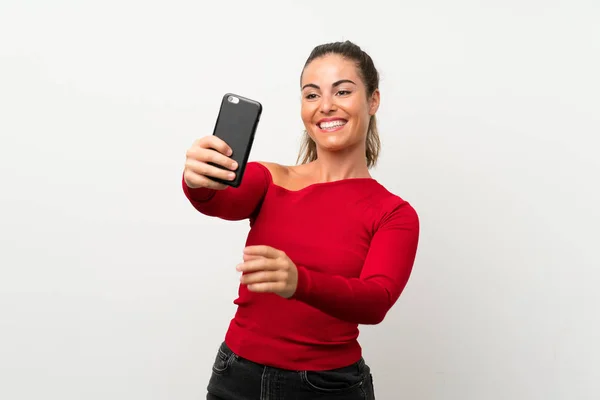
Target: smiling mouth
332,125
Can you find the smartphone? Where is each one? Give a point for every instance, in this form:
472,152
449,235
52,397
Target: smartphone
236,125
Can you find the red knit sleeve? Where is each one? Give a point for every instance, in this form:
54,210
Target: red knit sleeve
387,268
232,204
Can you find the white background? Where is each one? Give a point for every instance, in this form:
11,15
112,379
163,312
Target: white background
113,287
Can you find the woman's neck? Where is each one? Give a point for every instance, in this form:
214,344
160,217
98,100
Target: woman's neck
334,166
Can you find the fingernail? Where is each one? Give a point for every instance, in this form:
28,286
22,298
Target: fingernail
234,165
229,152
231,175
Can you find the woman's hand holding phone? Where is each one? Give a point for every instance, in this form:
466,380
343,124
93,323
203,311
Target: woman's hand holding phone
198,169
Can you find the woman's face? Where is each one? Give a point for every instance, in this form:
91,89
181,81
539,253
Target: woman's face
335,107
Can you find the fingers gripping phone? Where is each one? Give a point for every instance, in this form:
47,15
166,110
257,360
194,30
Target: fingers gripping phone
236,125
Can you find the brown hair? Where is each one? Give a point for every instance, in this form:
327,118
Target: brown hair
370,77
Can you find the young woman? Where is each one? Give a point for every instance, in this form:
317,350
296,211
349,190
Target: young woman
329,247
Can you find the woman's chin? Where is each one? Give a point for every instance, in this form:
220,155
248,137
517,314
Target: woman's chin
332,144
333,141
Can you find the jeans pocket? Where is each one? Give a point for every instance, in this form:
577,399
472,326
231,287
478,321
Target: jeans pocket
335,380
223,359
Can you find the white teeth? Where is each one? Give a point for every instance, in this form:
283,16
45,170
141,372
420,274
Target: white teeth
331,124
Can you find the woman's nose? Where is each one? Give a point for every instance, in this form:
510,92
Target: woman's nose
327,105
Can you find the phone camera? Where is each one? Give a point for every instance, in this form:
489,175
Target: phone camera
233,99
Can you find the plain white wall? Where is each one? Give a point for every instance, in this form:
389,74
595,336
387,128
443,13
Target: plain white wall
112,286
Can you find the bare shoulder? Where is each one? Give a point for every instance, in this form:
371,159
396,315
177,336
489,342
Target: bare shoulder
279,173
291,177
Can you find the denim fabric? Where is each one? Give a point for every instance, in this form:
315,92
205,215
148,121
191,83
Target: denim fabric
235,378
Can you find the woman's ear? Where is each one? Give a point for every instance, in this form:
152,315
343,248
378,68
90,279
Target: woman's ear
374,102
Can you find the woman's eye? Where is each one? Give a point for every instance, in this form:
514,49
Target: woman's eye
310,96
343,92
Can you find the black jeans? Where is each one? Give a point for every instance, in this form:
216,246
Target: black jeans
235,378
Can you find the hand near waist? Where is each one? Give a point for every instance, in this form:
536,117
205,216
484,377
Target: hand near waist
268,270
